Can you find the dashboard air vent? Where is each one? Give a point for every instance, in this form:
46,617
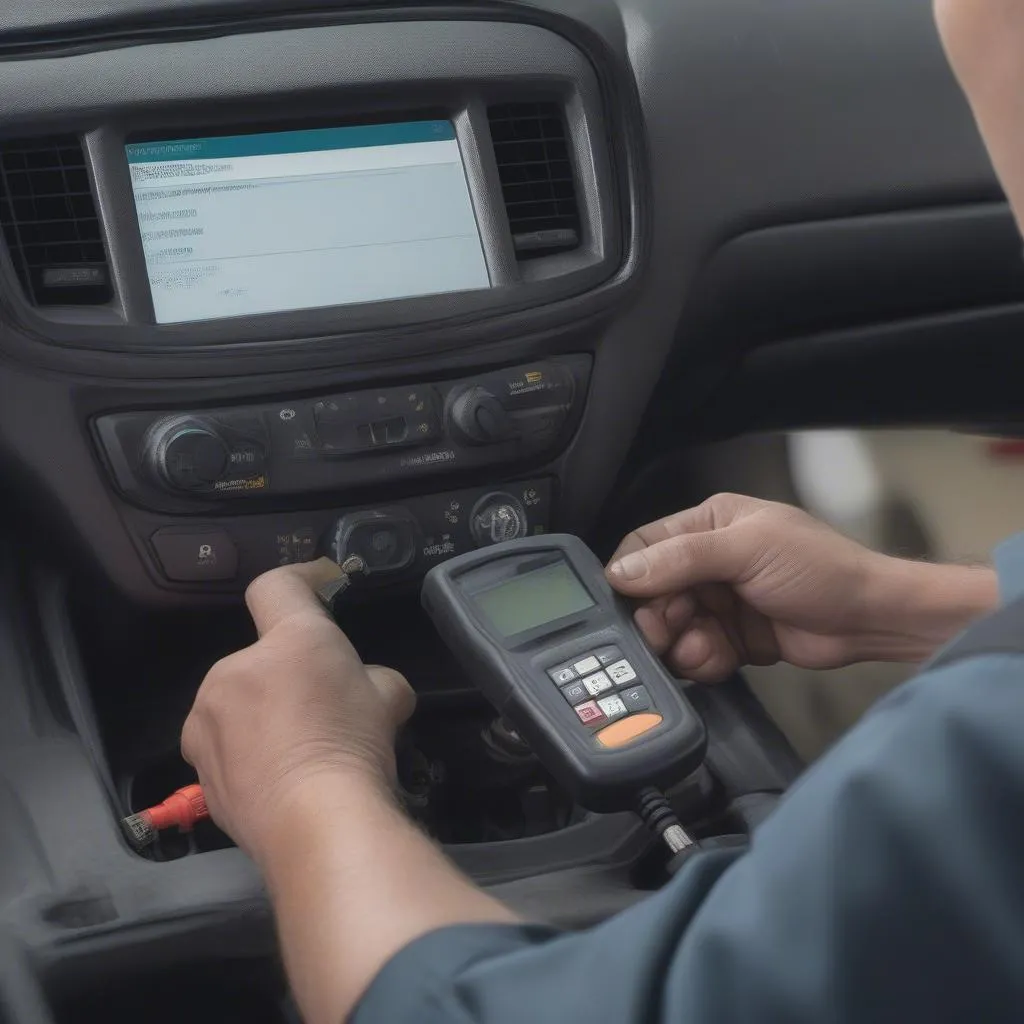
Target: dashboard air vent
49,222
537,180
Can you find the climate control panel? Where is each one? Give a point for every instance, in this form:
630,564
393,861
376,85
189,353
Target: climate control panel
398,541
201,458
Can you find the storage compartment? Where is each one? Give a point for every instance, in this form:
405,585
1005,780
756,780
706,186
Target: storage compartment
464,775
206,992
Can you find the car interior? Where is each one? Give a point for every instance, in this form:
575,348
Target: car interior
515,268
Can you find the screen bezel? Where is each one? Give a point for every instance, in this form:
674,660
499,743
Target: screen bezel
238,131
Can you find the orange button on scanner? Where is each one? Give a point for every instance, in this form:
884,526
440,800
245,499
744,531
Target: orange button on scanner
626,730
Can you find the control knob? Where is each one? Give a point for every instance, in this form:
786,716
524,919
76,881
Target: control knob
186,453
478,416
497,517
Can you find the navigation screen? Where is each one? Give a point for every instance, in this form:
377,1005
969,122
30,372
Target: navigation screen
247,224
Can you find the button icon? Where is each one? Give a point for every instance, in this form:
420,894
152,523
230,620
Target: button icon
608,655
590,713
575,693
613,707
597,683
562,675
637,699
586,666
192,556
287,415
622,672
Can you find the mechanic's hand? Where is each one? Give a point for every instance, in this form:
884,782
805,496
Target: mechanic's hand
295,706
742,581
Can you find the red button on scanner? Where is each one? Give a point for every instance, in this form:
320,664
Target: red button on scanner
590,713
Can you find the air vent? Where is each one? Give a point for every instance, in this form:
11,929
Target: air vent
50,224
537,180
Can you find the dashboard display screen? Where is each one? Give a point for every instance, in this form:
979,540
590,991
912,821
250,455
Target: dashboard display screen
534,599
246,224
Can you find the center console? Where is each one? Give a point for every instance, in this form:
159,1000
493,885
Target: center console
233,464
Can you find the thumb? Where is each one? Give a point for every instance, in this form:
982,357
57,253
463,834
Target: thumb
716,556
394,689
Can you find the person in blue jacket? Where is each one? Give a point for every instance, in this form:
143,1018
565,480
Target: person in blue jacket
888,885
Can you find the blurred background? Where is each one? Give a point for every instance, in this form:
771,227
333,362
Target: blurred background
927,494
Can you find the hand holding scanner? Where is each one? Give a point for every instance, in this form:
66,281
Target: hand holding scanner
555,649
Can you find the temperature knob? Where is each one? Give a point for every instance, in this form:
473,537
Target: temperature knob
497,517
187,454
478,417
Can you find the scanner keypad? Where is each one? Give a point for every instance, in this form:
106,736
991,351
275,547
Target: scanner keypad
603,687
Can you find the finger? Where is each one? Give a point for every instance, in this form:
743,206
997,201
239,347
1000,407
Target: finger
716,556
189,740
691,520
717,512
680,613
288,591
663,620
394,688
650,620
704,653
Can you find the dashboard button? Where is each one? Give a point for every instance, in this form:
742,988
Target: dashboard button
390,431
194,556
396,430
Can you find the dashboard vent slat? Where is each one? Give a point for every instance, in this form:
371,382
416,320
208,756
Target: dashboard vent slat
537,180
50,224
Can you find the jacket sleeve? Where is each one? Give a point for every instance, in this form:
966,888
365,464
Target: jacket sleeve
888,886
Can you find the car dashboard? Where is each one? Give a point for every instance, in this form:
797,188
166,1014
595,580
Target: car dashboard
281,281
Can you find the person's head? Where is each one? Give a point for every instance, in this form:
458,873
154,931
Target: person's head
985,43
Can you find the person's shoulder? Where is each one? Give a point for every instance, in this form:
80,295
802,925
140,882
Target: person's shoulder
971,704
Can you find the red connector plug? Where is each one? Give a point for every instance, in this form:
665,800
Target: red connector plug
183,808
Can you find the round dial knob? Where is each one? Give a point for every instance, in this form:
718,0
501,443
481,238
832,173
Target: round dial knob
477,415
187,454
497,517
